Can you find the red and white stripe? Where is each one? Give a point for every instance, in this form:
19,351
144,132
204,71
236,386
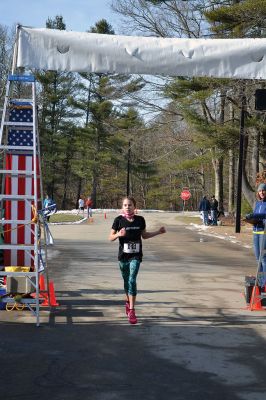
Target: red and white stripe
19,210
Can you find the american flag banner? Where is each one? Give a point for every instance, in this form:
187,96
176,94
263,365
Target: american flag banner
16,184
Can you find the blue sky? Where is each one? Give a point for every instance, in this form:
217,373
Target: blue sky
79,15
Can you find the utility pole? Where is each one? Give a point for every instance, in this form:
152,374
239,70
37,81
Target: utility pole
240,161
128,166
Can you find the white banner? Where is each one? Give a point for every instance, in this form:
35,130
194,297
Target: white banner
52,49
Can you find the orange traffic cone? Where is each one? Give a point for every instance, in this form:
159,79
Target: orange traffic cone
41,282
255,301
43,293
53,302
44,296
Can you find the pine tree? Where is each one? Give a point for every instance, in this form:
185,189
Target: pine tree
100,100
55,116
205,106
245,19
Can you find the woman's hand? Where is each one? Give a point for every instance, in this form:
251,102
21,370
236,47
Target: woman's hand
148,235
122,232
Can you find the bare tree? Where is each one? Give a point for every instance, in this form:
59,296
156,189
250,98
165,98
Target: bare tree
173,18
7,37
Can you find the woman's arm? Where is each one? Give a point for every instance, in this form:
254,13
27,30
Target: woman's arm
116,234
257,216
148,235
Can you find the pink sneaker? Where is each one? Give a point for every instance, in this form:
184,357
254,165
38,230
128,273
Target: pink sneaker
132,317
127,308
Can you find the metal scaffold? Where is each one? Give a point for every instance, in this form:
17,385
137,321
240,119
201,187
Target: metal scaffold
24,230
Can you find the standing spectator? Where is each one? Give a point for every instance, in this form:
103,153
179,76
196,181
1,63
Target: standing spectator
81,205
204,208
89,204
214,210
258,219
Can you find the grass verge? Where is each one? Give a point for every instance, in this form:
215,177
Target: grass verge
65,218
189,220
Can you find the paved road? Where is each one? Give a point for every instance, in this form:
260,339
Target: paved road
194,340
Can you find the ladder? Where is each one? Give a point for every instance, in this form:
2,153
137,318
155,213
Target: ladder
24,250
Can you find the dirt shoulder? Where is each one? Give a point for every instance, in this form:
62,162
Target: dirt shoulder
225,231
228,231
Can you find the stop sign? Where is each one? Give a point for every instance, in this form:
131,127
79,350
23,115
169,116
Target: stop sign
185,194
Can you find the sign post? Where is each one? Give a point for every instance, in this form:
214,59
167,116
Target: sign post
185,195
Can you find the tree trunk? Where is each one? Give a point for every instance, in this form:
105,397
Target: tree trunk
143,195
94,188
231,183
78,191
247,190
202,179
218,166
262,160
255,154
219,184
65,184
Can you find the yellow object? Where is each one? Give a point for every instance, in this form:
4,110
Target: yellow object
17,269
15,306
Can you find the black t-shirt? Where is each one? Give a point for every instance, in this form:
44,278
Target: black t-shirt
130,246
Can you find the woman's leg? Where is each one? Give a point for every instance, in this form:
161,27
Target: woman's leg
132,301
257,241
124,268
129,270
212,216
132,282
263,258
256,245
205,216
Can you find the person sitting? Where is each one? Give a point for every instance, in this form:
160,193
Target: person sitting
49,207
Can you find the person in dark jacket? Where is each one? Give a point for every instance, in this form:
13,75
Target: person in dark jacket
204,208
258,219
214,210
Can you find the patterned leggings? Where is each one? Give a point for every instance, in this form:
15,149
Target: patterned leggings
129,270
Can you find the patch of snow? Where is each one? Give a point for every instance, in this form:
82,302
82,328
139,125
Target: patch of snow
203,230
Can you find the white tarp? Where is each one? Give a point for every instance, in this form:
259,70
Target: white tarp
52,49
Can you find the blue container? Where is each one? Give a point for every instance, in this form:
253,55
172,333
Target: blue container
2,293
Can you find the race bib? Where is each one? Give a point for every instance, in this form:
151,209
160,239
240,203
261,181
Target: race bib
131,247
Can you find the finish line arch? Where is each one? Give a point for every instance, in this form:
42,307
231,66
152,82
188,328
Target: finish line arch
53,49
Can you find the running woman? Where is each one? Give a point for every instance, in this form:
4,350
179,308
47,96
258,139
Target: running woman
130,228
